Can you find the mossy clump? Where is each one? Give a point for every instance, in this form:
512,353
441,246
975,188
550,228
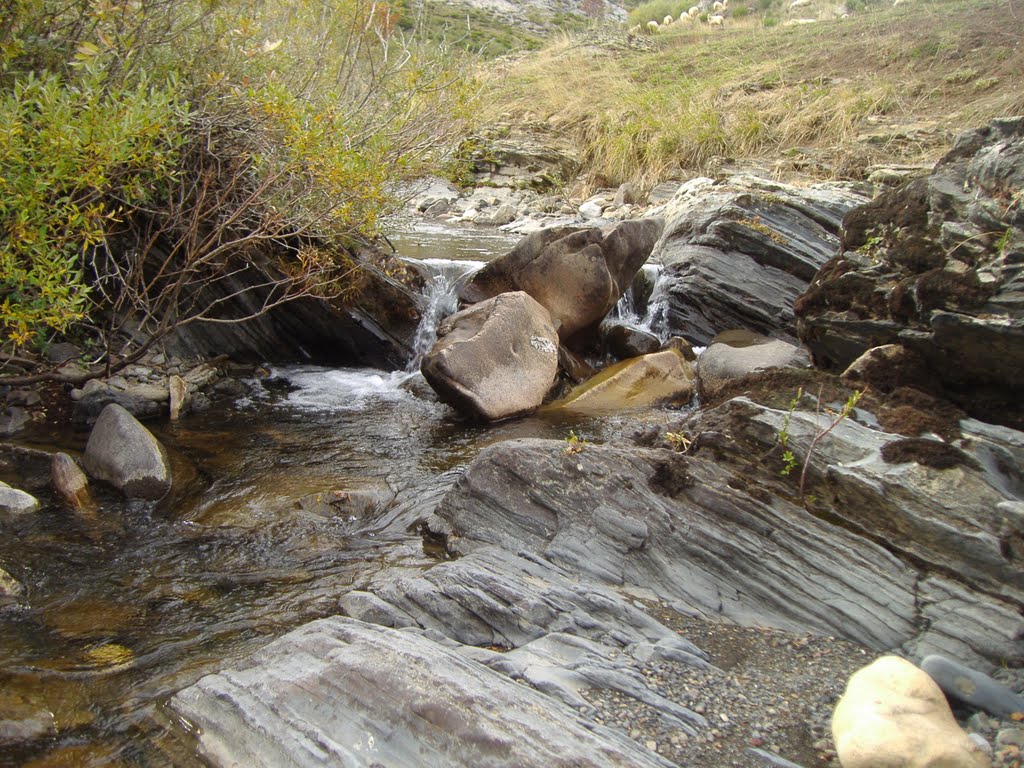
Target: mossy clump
929,453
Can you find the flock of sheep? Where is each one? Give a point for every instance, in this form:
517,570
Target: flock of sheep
716,12
715,18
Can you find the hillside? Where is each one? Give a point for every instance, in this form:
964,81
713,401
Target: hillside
834,98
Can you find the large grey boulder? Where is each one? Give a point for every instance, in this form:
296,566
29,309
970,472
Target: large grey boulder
338,692
737,253
123,453
934,266
733,354
577,274
496,359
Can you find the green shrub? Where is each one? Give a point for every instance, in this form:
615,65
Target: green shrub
150,150
75,155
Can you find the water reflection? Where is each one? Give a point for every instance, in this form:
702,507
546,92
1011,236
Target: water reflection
280,503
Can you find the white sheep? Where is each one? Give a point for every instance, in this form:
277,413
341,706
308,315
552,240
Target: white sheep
667,21
694,11
634,30
717,20
718,6
653,27
799,4
685,17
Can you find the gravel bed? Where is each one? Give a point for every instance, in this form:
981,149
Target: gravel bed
772,692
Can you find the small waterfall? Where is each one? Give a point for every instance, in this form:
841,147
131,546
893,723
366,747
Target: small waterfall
440,299
645,302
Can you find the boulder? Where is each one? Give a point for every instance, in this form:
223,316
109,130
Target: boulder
371,695
733,354
495,360
738,253
15,503
122,452
97,399
893,714
973,687
577,274
933,266
654,379
621,340
69,481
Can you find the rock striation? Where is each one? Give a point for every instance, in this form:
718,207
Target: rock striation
935,267
737,253
377,696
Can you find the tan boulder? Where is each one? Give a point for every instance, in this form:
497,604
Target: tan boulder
496,359
893,715
577,274
634,383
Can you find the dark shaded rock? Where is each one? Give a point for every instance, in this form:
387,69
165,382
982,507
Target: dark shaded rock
935,266
972,687
376,696
12,421
738,253
123,453
89,406
577,274
929,453
495,360
622,341
373,328
62,352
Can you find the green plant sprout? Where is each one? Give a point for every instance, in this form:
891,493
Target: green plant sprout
574,444
844,412
679,442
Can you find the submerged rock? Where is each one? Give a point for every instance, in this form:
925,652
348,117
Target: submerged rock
893,714
122,452
69,481
495,360
378,696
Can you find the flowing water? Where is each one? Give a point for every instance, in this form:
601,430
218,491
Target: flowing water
282,500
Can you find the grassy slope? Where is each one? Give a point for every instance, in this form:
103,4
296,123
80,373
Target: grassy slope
824,100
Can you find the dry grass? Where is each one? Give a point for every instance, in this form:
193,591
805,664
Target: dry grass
890,85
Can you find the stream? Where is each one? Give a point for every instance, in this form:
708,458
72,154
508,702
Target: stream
282,499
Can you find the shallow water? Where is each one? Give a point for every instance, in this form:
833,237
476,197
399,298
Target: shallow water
281,500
